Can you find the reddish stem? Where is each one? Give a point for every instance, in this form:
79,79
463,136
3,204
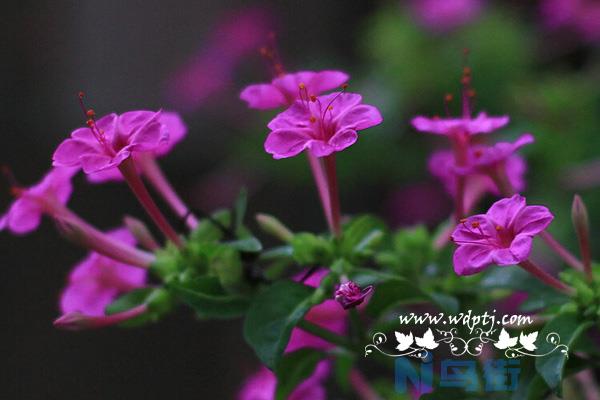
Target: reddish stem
322,188
159,181
334,196
129,172
562,252
545,277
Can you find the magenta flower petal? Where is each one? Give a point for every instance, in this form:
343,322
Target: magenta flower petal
326,80
521,247
176,128
449,126
533,220
325,125
503,257
25,213
504,211
361,117
24,216
469,259
343,139
98,280
69,152
287,143
285,90
263,96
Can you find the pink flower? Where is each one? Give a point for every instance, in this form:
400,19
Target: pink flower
234,37
442,165
580,16
106,143
323,126
350,295
445,15
26,212
284,90
262,385
502,236
482,123
98,280
172,125
483,158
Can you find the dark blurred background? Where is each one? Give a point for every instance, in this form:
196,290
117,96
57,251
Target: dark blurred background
180,55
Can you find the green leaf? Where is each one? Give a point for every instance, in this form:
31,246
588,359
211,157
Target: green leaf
309,249
393,292
295,368
248,245
361,234
551,367
344,362
226,264
206,296
272,316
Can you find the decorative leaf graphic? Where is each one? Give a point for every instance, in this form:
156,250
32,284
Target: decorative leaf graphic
427,341
527,341
505,341
404,341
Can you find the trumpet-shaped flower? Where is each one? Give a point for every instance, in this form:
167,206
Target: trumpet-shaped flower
106,143
482,123
284,90
25,214
502,236
442,165
322,125
98,280
172,125
484,158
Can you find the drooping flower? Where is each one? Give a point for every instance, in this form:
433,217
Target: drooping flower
485,158
98,280
25,214
172,125
110,140
350,295
502,236
262,385
323,125
445,15
284,90
482,123
443,166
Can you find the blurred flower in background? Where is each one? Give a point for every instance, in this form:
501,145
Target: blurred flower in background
579,16
444,15
236,35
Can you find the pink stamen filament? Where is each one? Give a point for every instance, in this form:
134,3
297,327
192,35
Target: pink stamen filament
129,172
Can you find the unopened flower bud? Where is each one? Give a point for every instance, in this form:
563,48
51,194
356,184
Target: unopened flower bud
350,295
274,227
